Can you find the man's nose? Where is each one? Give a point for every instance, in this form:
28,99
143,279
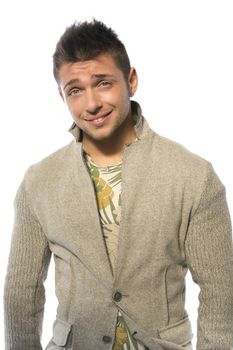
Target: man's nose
93,102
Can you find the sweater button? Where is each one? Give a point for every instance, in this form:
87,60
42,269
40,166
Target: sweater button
117,296
106,339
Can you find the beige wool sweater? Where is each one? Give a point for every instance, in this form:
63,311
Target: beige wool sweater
174,218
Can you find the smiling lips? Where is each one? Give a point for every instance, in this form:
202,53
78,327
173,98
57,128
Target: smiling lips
99,119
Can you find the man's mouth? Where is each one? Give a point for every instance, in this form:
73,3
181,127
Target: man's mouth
99,119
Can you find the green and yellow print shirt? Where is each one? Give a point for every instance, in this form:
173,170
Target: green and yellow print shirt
107,183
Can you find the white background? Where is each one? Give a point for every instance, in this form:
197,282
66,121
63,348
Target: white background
183,54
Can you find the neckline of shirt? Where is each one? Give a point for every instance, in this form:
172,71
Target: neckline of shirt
90,160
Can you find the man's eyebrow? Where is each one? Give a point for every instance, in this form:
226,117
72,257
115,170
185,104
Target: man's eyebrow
70,82
103,75
94,76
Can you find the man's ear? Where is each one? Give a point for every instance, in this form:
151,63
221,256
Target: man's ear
133,81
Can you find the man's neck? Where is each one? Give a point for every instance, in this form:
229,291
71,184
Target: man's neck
109,151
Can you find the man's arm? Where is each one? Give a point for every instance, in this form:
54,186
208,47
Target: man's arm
27,269
209,255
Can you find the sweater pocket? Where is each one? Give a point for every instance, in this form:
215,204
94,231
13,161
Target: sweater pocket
179,333
62,336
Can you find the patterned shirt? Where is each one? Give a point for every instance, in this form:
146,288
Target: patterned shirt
107,182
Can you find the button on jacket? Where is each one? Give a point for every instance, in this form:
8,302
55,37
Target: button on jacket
174,218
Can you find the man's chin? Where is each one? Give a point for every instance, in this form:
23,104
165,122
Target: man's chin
98,137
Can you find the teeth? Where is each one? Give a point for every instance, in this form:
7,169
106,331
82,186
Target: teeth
97,119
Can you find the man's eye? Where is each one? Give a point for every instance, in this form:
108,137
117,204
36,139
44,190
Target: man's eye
105,83
74,92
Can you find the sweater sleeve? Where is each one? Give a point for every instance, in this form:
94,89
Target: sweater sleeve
209,255
24,295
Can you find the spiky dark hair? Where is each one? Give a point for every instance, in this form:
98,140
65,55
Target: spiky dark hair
87,40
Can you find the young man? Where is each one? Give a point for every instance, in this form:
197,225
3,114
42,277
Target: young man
125,213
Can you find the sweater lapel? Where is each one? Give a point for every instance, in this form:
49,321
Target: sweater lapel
91,246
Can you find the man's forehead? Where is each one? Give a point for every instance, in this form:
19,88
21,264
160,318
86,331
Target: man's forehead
100,62
100,67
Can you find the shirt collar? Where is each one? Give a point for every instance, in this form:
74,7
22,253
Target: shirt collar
137,116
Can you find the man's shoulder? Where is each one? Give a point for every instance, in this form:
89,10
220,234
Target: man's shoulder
175,150
56,157
176,158
53,165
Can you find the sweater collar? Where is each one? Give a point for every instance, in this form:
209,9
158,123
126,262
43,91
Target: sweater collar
140,125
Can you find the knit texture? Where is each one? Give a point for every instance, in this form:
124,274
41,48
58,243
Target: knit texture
209,257
174,217
27,270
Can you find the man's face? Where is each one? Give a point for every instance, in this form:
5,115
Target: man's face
97,95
